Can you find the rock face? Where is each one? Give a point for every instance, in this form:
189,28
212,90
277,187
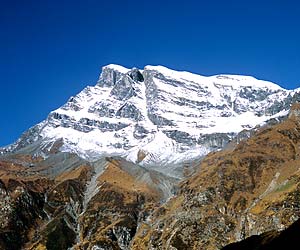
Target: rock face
236,193
129,111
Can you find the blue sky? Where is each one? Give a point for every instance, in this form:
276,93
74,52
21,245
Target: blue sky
51,49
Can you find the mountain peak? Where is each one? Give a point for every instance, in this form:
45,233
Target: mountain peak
130,109
116,67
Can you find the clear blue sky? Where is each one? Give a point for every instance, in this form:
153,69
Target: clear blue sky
51,49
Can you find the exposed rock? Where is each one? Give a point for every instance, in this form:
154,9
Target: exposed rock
36,208
295,111
242,191
287,239
136,75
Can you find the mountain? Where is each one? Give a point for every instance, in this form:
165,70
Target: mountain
154,159
128,113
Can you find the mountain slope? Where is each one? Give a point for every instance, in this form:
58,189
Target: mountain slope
84,206
245,190
242,191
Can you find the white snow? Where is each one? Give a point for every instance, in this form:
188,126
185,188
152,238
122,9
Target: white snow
195,104
117,68
224,79
246,81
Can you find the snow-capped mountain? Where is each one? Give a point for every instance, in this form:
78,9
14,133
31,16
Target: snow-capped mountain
156,116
